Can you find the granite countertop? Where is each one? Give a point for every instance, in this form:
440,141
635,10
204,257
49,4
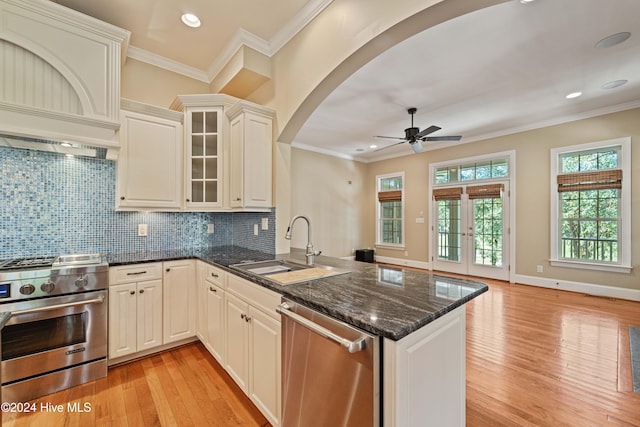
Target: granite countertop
388,301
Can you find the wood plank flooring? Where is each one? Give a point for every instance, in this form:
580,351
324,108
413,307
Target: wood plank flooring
535,357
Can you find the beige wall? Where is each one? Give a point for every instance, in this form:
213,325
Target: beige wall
152,85
331,192
531,193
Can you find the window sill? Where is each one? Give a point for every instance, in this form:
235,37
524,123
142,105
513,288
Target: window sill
591,266
390,246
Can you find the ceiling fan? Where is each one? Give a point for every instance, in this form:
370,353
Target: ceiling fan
414,136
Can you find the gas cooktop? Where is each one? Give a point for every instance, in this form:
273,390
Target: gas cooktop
27,263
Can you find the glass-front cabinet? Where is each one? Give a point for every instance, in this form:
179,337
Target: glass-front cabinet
204,158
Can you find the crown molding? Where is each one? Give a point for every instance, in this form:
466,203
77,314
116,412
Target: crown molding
241,38
168,64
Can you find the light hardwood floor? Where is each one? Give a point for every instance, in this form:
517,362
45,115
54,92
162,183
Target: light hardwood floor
535,357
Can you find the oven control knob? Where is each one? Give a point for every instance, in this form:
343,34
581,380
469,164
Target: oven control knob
82,281
27,289
47,287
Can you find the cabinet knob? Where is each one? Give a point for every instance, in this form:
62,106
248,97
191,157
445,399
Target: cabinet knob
121,197
132,292
168,270
238,199
247,319
242,316
188,200
142,291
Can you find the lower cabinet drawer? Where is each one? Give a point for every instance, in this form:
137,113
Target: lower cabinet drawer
135,273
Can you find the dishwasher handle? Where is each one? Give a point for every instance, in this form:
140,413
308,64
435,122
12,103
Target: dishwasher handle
354,346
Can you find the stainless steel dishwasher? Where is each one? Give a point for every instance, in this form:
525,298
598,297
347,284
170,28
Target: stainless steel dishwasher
330,371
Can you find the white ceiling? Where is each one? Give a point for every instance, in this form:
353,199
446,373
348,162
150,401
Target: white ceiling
496,71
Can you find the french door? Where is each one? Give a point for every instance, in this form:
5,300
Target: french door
471,230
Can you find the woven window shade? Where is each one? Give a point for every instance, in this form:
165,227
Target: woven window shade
597,180
390,196
487,191
452,193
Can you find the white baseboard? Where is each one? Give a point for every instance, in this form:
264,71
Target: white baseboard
403,262
585,288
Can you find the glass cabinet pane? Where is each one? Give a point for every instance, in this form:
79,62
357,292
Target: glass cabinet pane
197,191
197,168
211,191
212,145
211,122
211,168
197,122
197,145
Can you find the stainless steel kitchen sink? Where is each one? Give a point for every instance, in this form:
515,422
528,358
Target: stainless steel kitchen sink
283,272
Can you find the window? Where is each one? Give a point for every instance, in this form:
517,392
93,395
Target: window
591,215
390,212
473,171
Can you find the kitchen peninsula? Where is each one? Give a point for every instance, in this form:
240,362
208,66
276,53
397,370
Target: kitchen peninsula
420,317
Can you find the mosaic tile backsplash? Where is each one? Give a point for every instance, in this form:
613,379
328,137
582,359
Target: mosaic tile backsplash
52,204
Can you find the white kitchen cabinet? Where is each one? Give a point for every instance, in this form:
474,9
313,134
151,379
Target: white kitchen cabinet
150,161
253,344
179,300
211,319
251,136
135,309
424,374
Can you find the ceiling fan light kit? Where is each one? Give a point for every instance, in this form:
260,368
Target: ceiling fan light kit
414,136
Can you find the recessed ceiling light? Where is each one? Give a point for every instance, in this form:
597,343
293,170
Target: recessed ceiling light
613,84
573,95
66,144
359,149
526,1
613,40
373,146
190,20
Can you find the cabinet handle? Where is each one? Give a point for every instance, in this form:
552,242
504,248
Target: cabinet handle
136,273
214,275
212,289
142,291
132,292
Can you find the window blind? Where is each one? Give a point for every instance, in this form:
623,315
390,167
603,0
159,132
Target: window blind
390,196
596,180
451,193
487,191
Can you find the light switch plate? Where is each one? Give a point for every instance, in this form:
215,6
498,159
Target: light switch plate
143,230
210,229
265,223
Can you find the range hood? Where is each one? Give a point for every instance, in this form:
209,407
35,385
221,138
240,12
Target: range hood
61,147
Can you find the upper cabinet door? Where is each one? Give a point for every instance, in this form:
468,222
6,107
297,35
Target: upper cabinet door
204,158
150,162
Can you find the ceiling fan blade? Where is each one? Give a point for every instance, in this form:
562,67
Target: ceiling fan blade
390,137
427,131
417,147
392,145
442,138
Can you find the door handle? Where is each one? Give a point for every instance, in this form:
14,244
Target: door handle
98,300
352,346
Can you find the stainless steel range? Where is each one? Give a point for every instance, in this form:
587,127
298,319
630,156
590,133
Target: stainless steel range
57,334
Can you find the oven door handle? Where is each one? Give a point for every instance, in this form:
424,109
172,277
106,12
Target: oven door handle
98,300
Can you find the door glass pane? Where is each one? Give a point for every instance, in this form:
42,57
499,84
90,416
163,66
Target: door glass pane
487,235
211,122
212,145
43,335
211,191
197,122
197,171
197,145
197,191
211,168
449,230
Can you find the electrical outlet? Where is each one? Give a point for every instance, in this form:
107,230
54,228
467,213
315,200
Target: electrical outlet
255,229
210,229
143,230
265,223
539,269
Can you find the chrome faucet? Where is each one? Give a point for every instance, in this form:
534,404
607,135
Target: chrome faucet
310,254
